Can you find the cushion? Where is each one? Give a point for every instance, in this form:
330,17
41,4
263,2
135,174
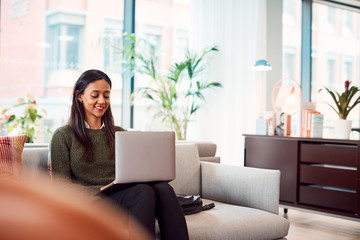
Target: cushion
11,148
206,149
187,179
226,221
35,159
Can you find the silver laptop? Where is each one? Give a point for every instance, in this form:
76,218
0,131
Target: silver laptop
144,156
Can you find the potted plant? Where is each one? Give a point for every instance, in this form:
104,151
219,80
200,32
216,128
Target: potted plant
344,103
177,94
26,123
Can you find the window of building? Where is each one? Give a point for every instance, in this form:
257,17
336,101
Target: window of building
347,67
291,40
289,63
180,44
314,72
347,28
330,79
331,18
112,45
290,12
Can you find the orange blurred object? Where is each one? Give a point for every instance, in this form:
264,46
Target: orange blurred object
35,209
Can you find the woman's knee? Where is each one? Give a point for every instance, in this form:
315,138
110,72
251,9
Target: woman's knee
163,186
144,191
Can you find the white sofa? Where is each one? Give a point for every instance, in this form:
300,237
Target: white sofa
246,199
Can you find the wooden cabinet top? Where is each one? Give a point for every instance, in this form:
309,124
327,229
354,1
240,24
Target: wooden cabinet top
304,139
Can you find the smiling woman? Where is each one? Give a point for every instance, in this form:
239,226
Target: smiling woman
83,152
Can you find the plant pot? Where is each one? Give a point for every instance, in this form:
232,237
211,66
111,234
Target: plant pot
342,128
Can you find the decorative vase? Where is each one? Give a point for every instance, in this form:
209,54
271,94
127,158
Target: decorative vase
342,128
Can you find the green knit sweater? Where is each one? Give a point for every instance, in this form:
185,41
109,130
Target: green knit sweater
68,161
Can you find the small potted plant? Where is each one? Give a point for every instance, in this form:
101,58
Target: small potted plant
26,123
344,103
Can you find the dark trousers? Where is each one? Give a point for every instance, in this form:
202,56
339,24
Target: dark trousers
147,201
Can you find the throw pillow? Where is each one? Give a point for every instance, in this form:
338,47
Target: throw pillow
11,148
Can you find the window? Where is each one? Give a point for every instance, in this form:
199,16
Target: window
329,80
347,23
66,48
289,63
336,48
46,45
314,71
347,67
289,12
112,55
291,40
330,18
163,30
180,44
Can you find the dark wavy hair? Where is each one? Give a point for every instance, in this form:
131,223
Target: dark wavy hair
77,114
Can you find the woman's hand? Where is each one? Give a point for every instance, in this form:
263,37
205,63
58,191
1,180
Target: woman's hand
106,186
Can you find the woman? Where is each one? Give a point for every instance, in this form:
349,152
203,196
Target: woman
83,152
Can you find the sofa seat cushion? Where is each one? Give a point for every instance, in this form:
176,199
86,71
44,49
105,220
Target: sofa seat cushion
226,221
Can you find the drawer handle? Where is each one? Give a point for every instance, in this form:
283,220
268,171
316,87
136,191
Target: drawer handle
330,166
330,188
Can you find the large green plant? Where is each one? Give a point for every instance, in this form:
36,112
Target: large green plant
177,94
342,101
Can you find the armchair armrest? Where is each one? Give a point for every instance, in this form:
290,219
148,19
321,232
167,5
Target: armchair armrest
245,186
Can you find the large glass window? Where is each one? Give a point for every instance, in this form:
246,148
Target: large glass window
46,45
166,25
337,49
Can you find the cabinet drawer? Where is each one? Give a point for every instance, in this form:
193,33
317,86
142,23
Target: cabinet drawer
329,153
328,176
326,198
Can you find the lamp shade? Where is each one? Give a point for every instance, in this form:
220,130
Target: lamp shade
261,65
286,96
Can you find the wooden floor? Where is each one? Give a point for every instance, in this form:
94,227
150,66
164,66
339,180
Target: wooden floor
313,226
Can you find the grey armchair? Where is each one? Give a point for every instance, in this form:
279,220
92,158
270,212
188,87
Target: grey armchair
246,199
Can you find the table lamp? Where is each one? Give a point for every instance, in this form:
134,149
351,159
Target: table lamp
262,66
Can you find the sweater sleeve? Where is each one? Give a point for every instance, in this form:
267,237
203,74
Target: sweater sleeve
60,162
60,155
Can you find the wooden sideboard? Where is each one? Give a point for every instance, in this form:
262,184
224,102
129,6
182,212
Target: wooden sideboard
316,174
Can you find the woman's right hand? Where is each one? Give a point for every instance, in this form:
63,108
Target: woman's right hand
106,186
